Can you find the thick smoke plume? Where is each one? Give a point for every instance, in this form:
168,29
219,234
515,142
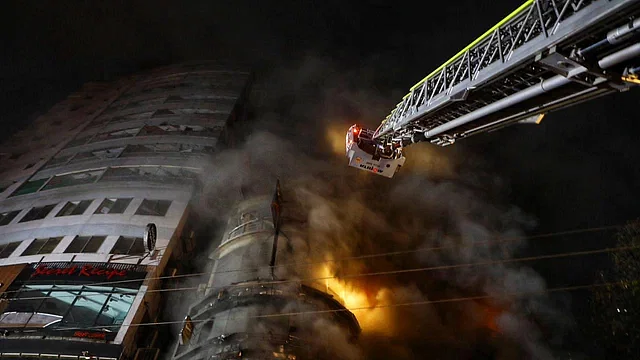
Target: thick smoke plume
440,210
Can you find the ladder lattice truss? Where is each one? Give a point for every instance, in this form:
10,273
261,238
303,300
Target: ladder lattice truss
534,43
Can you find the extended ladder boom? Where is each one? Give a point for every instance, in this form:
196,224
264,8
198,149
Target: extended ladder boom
544,56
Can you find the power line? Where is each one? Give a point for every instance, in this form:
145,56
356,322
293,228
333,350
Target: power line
372,307
376,273
301,264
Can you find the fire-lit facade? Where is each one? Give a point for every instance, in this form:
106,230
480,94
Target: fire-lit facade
77,190
252,308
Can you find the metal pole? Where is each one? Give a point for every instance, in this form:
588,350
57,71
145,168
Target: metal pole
623,55
613,37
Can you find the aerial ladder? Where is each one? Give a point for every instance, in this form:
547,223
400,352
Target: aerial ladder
545,56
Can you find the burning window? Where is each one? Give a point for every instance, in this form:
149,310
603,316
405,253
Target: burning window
42,246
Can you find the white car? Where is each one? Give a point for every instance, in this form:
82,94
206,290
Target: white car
365,153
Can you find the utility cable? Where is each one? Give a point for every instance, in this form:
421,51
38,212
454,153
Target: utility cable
376,273
381,306
301,264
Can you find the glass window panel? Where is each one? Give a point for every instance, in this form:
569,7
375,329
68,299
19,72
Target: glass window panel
5,218
42,246
34,247
85,244
120,206
113,206
29,301
58,302
128,246
7,249
57,161
78,243
116,309
85,309
85,177
94,244
38,213
29,187
137,248
74,208
122,246
81,207
153,207
50,245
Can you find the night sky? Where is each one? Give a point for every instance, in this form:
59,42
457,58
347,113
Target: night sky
578,169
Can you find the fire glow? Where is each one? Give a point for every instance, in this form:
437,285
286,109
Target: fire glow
366,304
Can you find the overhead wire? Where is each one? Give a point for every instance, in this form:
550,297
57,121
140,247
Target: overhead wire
300,264
380,306
367,274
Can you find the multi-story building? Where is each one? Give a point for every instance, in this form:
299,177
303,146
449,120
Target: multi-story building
78,188
251,308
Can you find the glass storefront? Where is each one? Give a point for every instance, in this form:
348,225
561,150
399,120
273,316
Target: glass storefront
67,306
66,298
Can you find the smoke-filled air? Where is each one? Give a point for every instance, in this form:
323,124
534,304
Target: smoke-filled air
440,289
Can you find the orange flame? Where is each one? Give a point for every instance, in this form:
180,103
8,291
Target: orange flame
372,319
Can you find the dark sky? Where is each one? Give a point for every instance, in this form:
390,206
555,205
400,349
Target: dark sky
577,169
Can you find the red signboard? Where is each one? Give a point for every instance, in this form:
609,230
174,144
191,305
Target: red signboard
79,271
90,335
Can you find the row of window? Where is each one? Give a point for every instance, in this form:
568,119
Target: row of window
147,130
191,85
160,174
171,149
203,98
125,245
107,206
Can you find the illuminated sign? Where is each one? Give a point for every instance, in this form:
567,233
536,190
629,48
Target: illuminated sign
79,271
90,335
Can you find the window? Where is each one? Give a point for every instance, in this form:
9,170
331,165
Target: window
5,218
128,246
67,306
42,246
38,213
74,208
85,244
153,207
79,178
103,154
57,161
113,206
30,187
7,249
171,149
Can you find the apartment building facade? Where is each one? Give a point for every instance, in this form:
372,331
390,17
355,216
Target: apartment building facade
78,190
